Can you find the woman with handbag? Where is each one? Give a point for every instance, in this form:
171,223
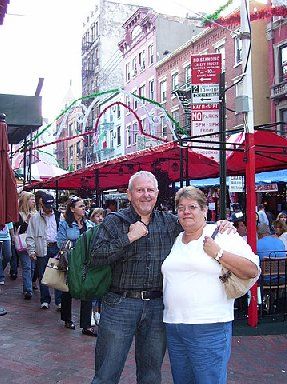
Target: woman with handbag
197,311
26,210
73,225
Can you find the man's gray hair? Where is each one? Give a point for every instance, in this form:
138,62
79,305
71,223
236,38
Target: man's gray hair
145,174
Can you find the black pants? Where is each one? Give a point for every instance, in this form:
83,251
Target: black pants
85,310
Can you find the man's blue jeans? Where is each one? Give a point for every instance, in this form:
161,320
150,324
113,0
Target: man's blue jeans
41,264
122,319
28,267
199,353
5,256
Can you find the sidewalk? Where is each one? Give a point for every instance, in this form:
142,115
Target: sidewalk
35,348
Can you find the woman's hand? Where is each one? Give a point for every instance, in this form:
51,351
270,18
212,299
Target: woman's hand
225,225
210,246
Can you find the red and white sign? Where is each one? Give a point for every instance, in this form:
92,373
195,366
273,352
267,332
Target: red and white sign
205,120
206,69
205,79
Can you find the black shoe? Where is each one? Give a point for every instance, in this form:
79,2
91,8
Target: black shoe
69,325
13,276
35,287
27,296
89,332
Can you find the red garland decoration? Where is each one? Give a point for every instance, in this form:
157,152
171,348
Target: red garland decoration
263,13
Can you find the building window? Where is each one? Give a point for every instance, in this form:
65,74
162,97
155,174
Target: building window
283,63
97,28
71,129
150,55
128,103
128,72
175,116
143,121
71,152
142,60
163,85
283,118
134,67
118,111
112,138
187,74
221,50
129,136
151,89
119,135
135,132
163,127
142,92
174,81
93,32
238,50
78,148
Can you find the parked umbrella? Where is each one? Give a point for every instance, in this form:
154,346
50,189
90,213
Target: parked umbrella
8,188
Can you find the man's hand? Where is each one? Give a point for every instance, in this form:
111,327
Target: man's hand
33,256
225,225
136,231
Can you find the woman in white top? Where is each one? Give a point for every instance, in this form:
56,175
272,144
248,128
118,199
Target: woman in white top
197,313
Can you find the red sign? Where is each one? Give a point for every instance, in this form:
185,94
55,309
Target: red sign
206,69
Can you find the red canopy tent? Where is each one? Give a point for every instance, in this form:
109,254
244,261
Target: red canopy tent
116,173
270,153
8,188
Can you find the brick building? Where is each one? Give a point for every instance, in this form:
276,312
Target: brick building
148,38
175,73
277,39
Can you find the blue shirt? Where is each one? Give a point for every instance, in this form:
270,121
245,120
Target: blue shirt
70,233
270,246
4,233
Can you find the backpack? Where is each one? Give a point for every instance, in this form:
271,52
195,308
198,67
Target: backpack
86,281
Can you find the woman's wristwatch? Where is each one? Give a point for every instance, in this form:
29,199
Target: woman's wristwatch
219,255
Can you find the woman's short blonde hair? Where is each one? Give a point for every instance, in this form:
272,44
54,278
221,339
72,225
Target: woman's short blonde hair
191,193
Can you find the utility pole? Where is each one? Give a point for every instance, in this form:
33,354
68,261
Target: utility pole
247,109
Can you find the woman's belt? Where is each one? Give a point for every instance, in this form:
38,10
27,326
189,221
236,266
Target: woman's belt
143,295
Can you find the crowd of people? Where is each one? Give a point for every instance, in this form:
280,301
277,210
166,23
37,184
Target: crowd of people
165,290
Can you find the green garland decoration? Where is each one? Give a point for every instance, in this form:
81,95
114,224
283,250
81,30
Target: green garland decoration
215,15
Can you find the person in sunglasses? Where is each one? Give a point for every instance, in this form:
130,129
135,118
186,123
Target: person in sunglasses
73,225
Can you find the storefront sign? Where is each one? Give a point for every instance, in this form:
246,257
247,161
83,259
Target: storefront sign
273,187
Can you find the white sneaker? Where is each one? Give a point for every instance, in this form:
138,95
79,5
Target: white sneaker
97,317
2,282
93,319
44,306
58,307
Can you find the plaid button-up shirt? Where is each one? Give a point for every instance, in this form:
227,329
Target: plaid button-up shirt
137,265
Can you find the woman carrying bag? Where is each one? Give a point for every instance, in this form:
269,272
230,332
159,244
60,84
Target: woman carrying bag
26,210
197,311
73,225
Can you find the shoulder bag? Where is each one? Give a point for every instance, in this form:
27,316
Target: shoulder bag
234,286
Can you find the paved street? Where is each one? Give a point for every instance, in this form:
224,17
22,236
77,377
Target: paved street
35,348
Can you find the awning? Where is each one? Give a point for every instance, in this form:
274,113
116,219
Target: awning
270,153
163,160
